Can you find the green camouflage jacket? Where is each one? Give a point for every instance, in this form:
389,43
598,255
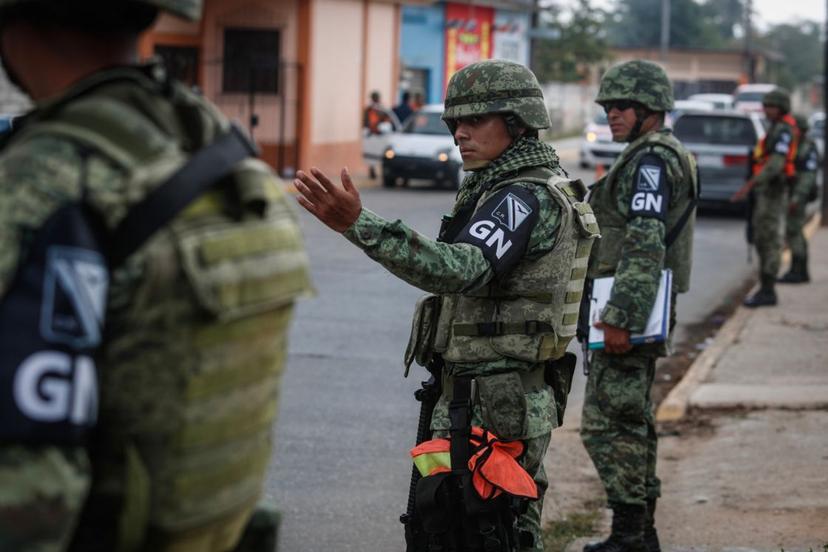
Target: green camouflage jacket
807,165
771,178
443,268
195,319
643,195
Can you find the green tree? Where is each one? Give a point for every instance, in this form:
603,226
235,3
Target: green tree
576,41
725,16
800,45
637,23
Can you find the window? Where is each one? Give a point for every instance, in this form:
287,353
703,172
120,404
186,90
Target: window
251,61
181,62
731,131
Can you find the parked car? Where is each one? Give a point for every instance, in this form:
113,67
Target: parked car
748,97
424,149
681,106
723,143
597,147
719,101
374,145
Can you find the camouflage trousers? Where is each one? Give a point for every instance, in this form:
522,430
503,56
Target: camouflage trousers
768,212
794,236
618,426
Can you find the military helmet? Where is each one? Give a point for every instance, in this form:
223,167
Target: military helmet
496,86
188,9
640,81
778,97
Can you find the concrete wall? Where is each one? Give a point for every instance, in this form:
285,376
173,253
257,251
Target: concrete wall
570,105
422,43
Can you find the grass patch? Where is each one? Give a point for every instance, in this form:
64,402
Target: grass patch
558,534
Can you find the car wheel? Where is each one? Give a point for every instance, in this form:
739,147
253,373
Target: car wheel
583,164
389,181
372,172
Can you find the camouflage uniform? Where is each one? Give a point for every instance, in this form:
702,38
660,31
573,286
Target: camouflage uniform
464,270
773,169
196,321
802,189
643,196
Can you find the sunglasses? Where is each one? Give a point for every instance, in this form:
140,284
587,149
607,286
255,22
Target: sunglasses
620,105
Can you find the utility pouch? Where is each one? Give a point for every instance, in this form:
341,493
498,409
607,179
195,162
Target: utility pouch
423,329
503,405
558,375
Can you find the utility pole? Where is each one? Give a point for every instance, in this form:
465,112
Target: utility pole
825,110
750,69
665,29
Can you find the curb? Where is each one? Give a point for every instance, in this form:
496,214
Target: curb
675,405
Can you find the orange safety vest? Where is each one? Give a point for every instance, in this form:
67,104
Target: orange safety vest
493,464
761,153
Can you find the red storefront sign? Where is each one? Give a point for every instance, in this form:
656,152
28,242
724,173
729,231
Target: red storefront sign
468,36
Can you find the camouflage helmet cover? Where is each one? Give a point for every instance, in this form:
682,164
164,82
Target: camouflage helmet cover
188,9
496,86
640,81
778,97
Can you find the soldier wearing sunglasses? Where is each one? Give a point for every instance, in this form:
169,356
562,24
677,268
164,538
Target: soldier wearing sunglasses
645,207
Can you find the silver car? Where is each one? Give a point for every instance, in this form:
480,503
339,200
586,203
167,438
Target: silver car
723,143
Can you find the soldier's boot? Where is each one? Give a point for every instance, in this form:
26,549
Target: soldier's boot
261,532
798,274
650,534
627,531
766,296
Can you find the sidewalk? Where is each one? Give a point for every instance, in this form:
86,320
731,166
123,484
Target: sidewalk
746,467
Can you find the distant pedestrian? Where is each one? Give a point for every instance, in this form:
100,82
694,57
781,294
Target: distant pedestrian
374,114
803,190
773,169
418,101
645,207
403,110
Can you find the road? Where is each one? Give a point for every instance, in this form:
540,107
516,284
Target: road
347,417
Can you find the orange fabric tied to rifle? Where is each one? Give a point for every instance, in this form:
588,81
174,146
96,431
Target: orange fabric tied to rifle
493,464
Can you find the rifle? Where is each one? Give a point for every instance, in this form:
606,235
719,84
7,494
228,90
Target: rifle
427,395
749,206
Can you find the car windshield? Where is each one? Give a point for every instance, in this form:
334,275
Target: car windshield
425,123
750,96
600,118
732,131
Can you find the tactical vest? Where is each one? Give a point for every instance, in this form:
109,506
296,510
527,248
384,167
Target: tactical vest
532,313
194,341
607,253
806,147
761,153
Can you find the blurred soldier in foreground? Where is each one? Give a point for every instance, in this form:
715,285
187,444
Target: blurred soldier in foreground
507,273
803,190
148,267
773,169
645,206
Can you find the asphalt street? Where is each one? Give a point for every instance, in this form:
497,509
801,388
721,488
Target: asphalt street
340,470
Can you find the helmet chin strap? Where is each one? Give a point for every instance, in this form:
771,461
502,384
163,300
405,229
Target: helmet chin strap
635,133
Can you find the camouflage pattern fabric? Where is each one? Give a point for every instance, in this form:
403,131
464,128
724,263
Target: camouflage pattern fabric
771,203
618,426
807,163
640,81
444,268
187,441
188,9
632,249
496,86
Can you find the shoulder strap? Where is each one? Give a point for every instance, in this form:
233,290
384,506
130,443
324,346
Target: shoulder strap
208,166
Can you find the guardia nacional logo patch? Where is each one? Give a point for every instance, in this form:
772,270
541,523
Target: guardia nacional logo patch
511,212
648,178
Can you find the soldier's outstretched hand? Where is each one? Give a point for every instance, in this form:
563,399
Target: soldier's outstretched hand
338,207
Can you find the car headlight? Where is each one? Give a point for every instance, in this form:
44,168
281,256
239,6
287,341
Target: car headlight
443,155
591,136
389,153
